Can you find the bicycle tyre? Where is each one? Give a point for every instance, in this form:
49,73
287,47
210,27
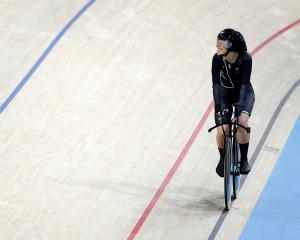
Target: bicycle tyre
227,176
236,175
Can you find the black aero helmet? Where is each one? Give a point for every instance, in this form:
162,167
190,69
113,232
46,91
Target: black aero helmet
235,40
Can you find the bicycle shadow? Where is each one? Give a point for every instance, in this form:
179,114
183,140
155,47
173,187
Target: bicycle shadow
207,200
184,199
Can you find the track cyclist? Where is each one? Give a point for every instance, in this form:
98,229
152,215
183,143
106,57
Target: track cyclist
231,73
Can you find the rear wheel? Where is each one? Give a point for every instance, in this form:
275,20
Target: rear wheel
227,176
236,174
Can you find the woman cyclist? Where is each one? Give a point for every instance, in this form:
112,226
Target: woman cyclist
231,72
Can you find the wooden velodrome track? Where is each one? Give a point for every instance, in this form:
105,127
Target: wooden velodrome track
105,111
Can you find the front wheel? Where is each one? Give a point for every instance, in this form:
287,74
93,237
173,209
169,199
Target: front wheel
236,175
227,176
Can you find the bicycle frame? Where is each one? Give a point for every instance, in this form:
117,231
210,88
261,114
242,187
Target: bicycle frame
231,157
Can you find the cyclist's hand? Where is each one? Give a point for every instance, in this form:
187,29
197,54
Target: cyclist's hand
218,118
226,110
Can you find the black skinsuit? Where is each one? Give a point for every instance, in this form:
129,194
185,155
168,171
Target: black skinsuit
231,84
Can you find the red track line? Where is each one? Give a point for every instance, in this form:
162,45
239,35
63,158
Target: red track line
171,173
188,145
268,40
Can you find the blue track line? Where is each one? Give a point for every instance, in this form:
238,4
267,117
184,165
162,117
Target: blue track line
277,213
43,56
257,151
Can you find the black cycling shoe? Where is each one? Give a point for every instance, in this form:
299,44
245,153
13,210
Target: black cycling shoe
245,167
220,168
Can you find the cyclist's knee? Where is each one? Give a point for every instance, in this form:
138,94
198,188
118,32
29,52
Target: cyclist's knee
243,119
219,132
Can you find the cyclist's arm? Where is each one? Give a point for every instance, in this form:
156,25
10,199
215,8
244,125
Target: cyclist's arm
246,69
215,71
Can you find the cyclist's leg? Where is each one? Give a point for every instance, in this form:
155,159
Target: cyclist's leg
227,109
220,143
220,137
243,136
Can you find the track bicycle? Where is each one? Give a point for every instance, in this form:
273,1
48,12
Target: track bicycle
231,157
